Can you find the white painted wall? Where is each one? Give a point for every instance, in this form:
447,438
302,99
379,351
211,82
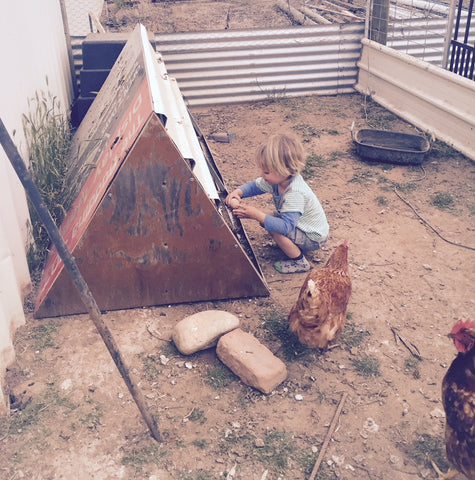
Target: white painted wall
435,100
34,57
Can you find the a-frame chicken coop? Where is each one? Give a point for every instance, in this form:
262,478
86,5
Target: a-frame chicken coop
147,223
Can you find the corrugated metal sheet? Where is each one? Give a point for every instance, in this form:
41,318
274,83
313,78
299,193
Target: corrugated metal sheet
437,101
223,67
236,66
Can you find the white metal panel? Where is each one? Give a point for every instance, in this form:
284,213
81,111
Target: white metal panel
168,102
435,100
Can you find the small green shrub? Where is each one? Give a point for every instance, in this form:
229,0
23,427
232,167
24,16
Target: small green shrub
313,161
139,457
197,415
220,377
352,336
442,200
411,364
277,326
42,336
367,366
427,449
278,448
307,131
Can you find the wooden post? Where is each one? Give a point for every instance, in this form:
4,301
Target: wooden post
378,21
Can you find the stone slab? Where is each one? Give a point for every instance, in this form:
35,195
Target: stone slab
251,361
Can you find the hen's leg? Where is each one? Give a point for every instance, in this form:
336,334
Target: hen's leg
451,473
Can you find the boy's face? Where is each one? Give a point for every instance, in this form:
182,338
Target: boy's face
273,178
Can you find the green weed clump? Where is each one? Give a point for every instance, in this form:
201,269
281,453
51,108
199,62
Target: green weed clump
427,449
353,336
49,404
277,449
367,366
220,377
277,326
411,365
48,134
43,336
313,162
442,200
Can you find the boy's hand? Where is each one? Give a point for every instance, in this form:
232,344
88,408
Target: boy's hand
248,211
233,200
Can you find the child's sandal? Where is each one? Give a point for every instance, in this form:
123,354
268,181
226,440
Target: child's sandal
292,266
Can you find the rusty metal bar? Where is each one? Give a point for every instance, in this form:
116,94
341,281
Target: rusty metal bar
79,282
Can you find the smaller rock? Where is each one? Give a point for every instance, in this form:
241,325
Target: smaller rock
394,459
259,443
437,413
370,426
223,137
202,330
67,384
338,460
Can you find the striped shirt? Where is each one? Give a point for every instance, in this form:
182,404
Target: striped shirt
297,198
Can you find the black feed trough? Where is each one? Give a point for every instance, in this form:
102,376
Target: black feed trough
390,147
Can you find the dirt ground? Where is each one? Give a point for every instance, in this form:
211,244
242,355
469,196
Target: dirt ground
408,227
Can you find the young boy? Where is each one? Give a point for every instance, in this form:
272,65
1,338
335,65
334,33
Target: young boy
299,224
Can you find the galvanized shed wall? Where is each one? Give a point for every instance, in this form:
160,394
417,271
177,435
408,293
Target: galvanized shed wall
231,66
237,66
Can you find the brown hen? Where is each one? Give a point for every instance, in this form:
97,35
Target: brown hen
458,397
319,315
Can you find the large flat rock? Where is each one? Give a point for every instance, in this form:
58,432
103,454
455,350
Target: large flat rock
202,330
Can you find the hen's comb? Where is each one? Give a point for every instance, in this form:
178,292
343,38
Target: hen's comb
462,324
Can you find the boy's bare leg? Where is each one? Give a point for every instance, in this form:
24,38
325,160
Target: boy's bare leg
286,245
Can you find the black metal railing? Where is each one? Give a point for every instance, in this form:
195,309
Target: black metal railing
462,58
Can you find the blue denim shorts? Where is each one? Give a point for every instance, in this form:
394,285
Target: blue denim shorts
303,242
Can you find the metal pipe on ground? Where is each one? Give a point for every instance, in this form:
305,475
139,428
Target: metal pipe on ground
78,280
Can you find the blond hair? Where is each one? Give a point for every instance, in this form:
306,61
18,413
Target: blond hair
282,154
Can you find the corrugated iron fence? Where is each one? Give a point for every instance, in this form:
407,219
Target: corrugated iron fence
237,66
231,66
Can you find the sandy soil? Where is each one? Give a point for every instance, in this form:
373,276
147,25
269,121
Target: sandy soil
408,228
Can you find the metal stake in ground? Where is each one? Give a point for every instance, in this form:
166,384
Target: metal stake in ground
77,278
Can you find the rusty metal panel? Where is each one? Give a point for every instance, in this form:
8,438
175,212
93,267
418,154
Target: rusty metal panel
156,239
143,229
